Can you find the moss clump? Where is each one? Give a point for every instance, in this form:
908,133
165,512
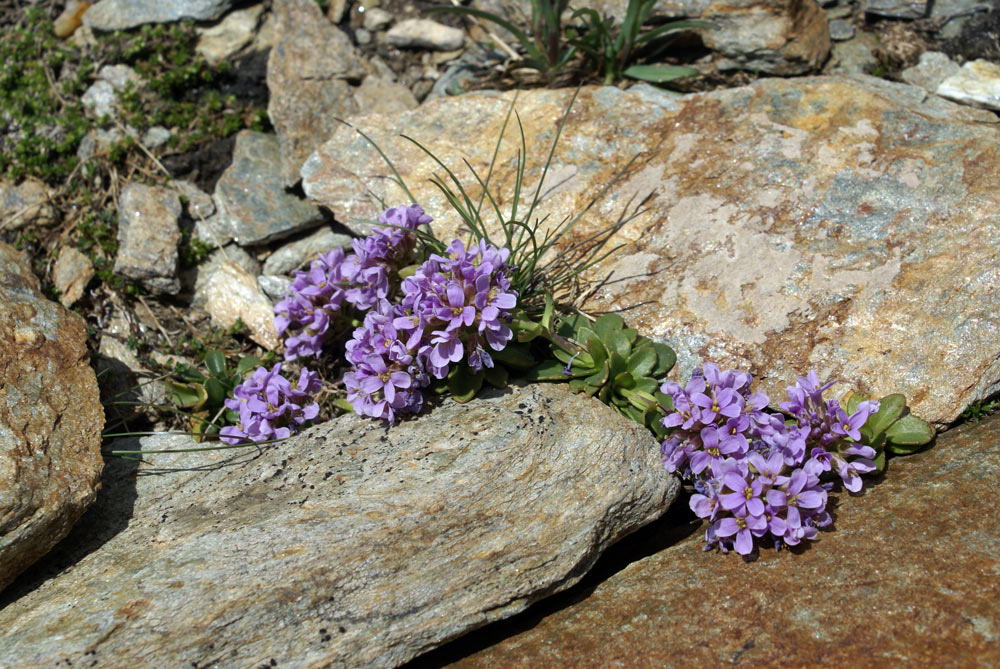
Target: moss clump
41,118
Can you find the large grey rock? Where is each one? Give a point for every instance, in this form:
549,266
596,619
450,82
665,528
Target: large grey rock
50,419
846,224
907,578
309,75
124,14
350,545
148,235
253,205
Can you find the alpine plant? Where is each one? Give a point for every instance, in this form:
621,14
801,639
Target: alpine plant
757,478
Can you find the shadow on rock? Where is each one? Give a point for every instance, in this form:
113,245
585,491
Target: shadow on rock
109,515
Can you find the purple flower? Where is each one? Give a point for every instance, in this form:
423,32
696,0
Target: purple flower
750,470
745,494
744,526
269,407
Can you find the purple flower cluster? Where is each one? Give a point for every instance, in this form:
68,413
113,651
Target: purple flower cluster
452,308
755,476
269,407
361,278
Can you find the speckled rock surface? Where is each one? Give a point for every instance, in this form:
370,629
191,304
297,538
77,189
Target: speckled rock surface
124,14
349,545
911,576
148,234
846,224
308,75
253,205
71,274
50,419
231,294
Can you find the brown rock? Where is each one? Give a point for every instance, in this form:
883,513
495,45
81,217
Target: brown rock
71,274
70,19
775,36
909,577
348,545
846,224
50,419
308,75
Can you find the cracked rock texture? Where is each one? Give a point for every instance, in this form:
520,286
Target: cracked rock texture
841,223
50,419
348,545
910,577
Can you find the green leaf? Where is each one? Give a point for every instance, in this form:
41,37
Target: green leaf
598,353
585,333
908,431
215,391
187,395
616,342
525,331
660,73
890,408
569,325
616,364
581,386
496,376
342,404
607,323
624,380
216,363
562,355
600,377
547,370
190,374
631,334
646,384
605,394
246,364
515,356
880,462
853,400
632,413
642,361
463,383
666,358
638,398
